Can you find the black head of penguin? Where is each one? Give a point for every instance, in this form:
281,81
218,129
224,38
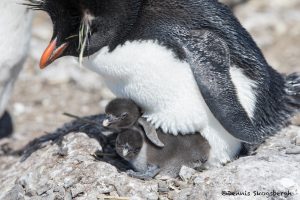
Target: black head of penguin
129,144
121,114
101,22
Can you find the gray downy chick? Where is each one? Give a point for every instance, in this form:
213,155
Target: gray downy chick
148,160
123,114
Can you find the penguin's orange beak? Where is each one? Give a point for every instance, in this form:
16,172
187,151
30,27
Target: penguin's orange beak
51,53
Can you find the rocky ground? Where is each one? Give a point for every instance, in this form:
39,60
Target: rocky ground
41,97
70,169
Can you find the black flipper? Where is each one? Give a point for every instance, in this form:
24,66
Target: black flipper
209,58
150,133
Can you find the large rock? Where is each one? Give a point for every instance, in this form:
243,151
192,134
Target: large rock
69,170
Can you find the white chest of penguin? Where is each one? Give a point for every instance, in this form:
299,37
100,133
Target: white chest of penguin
165,88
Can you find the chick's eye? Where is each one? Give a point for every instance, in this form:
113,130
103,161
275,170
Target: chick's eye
136,150
124,115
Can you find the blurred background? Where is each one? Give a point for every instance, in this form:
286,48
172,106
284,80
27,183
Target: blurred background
41,96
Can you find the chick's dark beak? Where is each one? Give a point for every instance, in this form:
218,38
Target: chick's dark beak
52,52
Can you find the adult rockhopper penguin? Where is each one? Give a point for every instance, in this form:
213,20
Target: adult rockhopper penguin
189,64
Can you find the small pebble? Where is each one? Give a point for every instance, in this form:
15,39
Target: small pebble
19,108
186,173
113,194
163,198
181,185
62,152
104,189
287,183
77,191
297,142
172,195
68,196
16,192
199,180
163,187
294,151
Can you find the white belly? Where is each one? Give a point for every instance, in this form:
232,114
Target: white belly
15,26
165,88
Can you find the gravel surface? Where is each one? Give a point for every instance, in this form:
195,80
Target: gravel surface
69,169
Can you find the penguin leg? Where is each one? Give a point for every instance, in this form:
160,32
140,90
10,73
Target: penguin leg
151,172
6,125
8,77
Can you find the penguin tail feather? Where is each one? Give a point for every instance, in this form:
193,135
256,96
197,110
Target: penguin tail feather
292,89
